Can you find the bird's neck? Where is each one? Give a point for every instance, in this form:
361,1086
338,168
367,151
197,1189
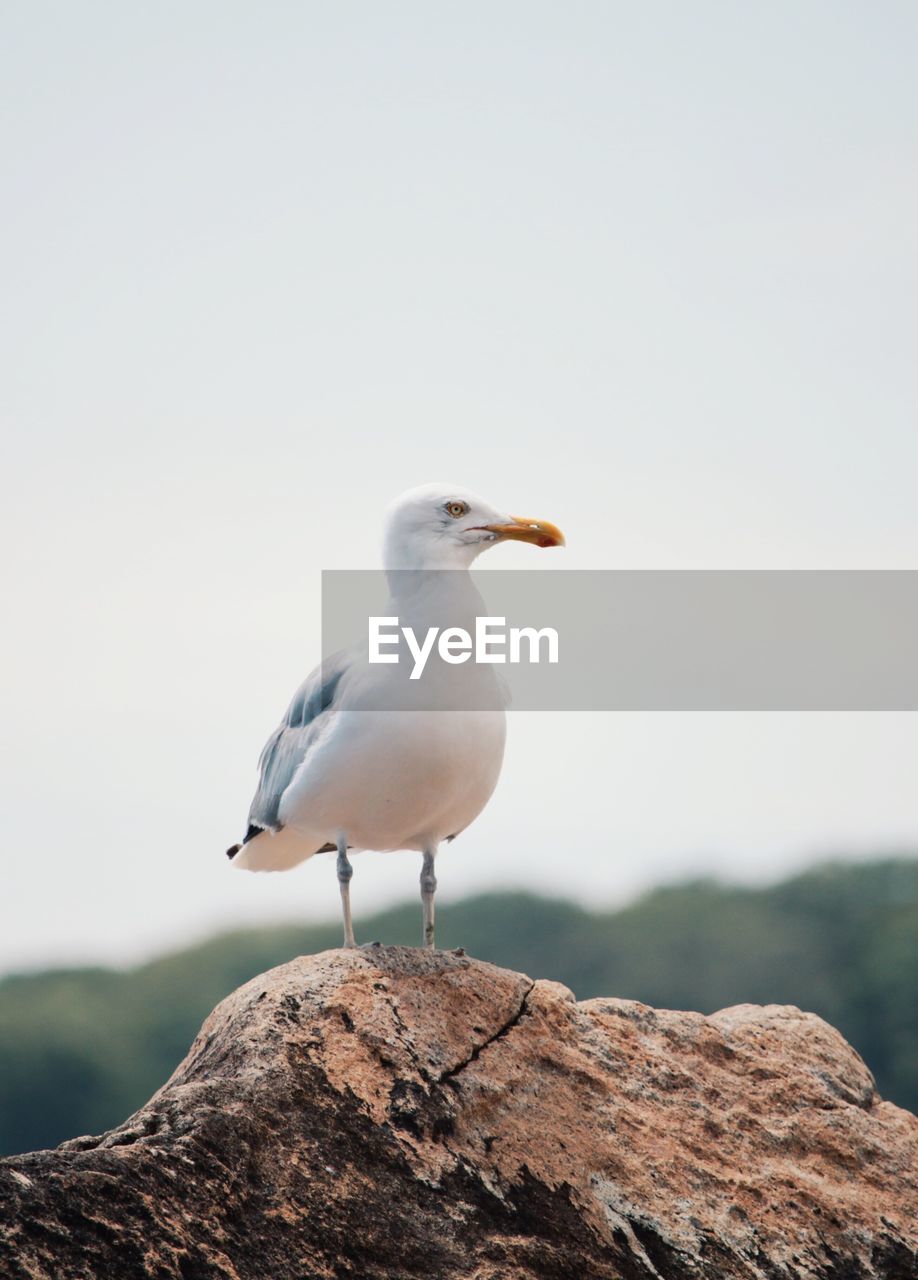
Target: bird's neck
447,596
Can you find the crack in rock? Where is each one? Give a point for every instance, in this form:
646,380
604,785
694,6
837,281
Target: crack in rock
478,1050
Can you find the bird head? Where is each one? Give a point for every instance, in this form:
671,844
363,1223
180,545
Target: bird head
441,526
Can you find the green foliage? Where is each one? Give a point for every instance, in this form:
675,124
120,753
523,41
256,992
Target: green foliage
80,1049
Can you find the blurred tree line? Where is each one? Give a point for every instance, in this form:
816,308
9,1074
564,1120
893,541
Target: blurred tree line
82,1048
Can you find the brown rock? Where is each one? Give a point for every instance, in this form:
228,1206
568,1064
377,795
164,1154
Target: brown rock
398,1113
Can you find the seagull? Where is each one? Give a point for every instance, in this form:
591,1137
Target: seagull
334,777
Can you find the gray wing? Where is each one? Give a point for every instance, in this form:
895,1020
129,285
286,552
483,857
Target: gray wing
289,744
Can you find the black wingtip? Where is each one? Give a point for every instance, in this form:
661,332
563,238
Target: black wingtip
252,832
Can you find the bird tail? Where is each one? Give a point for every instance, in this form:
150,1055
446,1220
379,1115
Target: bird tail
272,851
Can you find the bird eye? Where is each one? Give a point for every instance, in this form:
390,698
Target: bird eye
457,509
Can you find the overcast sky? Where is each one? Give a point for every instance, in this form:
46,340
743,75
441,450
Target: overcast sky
647,270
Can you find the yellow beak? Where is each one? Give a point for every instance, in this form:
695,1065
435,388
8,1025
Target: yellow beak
539,532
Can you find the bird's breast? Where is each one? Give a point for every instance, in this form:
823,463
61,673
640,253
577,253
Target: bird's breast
397,780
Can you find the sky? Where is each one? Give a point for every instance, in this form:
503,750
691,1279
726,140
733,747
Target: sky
648,271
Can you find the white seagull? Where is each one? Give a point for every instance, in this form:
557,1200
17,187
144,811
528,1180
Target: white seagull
336,777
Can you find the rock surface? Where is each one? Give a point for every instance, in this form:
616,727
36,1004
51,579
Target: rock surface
396,1113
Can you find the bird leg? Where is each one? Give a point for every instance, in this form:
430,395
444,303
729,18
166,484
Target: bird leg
345,871
428,889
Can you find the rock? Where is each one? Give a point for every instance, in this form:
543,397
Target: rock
397,1113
